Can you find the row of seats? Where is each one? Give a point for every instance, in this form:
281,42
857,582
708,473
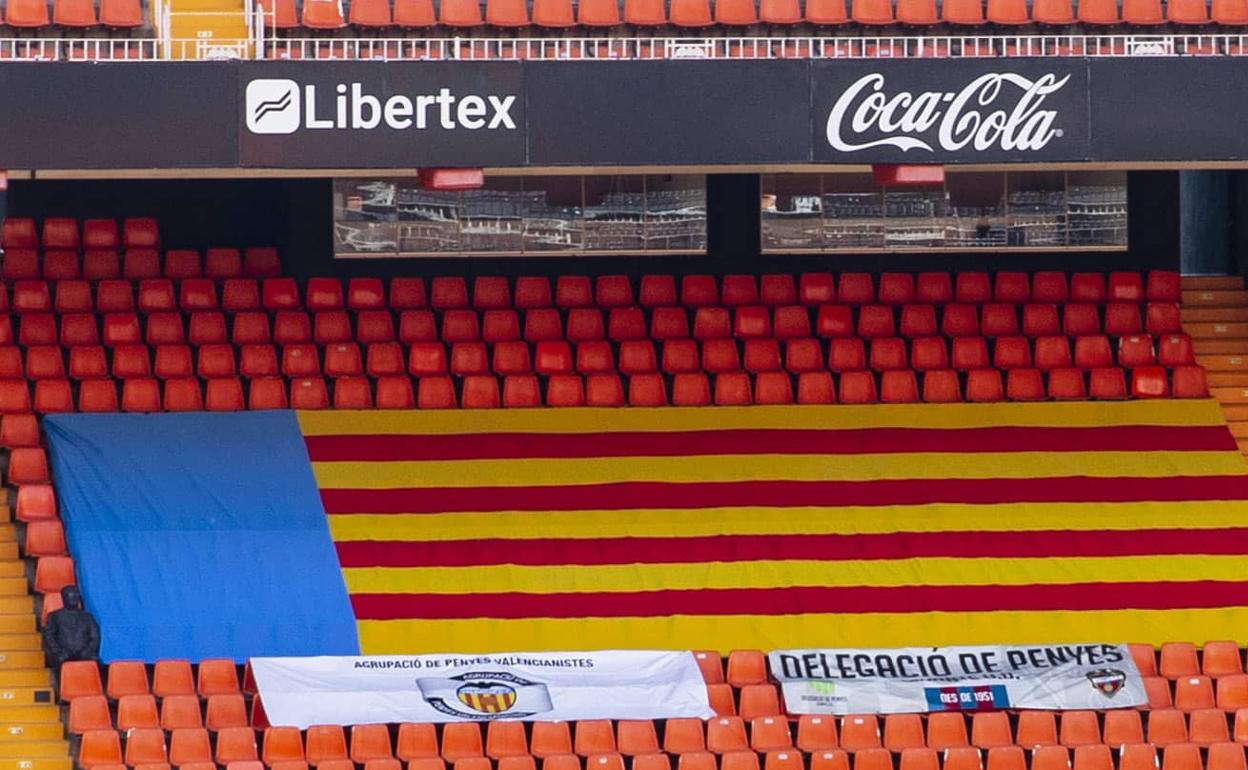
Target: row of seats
556,14
720,735
752,323
236,749
606,292
65,233
138,263
674,356
79,14
600,390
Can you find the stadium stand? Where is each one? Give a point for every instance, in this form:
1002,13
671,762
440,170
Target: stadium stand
222,331
174,719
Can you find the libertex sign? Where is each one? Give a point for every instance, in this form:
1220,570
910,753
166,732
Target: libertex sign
356,114
984,111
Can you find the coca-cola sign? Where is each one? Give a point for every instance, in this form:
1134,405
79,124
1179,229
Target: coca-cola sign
922,112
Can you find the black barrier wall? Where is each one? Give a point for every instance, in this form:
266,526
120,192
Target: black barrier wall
359,115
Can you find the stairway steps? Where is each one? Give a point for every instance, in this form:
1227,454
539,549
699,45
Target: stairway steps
33,749
1235,298
13,586
11,569
8,551
31,731
1212,282
1238,429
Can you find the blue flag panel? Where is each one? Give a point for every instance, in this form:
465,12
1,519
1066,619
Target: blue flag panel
199,535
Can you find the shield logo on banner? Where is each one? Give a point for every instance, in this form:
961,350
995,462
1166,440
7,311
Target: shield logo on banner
487,697
1107,681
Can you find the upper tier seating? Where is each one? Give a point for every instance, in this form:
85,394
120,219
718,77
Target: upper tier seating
1197,719
105,321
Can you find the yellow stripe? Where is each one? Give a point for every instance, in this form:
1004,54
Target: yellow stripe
684,632
1152,412
625,578
708,469
664,522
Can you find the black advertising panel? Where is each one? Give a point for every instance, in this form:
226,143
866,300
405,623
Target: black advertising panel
674,112
131,115
956,111
1169,109
381,115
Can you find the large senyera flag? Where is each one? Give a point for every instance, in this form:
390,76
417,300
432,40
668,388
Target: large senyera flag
776,527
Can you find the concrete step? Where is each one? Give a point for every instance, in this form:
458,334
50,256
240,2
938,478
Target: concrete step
26,696
1235,413
8,533
14,586
38,763
31,731
16,624
25,677
17,605
27,640
1230,395
1212,282
15,568
1217,347
1227,379
33,749
8,552
1213,314
1230,331
1243,445
1238,429
1223,363
22,659
50,713
1237,298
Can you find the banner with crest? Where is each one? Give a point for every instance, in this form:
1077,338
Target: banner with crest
546,686
916,679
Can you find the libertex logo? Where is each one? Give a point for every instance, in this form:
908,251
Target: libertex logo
281,106
999,110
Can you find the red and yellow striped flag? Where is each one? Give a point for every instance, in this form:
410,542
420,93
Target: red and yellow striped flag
774,527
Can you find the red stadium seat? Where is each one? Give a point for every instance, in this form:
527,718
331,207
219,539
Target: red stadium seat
79,329
1067,385
331,326
1190,382
73,296
834,321
1108,383
918,321
999,320
1088,287
984,385
1175,350
140,263
308,393
733,389
121,14
691,389
99,264
1163,318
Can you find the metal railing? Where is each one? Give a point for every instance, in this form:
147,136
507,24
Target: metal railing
261,41
643,48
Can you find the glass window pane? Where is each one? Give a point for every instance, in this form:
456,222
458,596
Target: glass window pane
676,212
976,213
428,219
553,217
492,218
853,212
1036,205
614,213
792,212
1097,207
364,216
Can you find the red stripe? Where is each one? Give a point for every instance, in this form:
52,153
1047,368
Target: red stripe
789,494
1141,438
794,601
736,548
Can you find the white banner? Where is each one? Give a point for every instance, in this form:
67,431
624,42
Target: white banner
546,686
1068,676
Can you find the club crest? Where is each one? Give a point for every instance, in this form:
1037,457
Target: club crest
1107,681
